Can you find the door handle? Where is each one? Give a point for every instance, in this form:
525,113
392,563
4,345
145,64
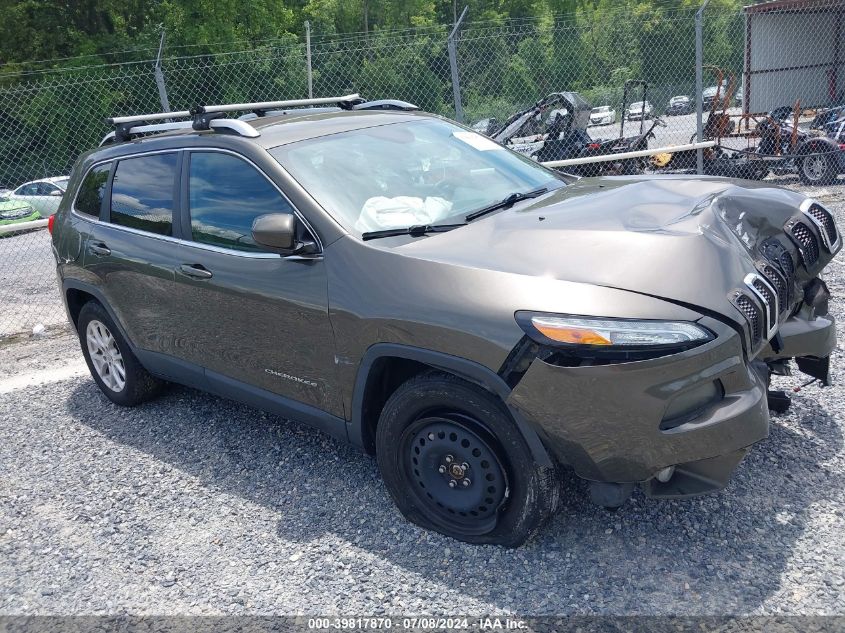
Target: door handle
98,248
197,271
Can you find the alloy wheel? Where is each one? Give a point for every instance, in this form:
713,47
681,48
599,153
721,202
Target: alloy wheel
105,355
814,167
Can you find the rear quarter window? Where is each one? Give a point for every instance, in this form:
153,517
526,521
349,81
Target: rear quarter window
89,200
143,193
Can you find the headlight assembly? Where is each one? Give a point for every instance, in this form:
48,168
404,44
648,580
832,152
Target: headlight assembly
594,336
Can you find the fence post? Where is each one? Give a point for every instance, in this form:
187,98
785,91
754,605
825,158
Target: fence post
699,84
308,59
452,45
159,76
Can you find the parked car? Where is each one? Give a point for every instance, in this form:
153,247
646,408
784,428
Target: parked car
408,285
602,115
738,97
639,110
16,211
680,104
43,195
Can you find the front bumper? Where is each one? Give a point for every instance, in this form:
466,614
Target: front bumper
626,422
697,411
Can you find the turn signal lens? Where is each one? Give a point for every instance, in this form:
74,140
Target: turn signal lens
613,332
577,336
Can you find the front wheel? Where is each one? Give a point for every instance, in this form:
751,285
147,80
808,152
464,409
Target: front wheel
454,461
817,169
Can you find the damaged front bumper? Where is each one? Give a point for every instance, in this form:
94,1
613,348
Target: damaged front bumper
677,425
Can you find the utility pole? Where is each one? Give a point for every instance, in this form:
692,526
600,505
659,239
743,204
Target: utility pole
366,17
452,46
699,84
308,59
159,77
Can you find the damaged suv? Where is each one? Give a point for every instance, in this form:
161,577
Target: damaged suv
475,320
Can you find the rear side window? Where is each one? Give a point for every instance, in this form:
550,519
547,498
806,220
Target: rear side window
226,194
142,193
90,196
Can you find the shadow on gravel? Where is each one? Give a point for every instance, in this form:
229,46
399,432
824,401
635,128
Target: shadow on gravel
723,553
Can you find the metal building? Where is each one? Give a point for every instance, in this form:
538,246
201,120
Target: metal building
793,52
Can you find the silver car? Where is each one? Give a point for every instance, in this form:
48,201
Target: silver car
42,195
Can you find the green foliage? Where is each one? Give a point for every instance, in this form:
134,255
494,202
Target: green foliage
511,53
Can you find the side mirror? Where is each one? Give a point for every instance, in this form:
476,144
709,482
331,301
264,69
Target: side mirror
277,233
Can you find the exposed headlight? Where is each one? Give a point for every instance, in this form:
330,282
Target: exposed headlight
606,334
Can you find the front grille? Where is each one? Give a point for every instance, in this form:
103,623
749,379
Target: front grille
787,266
778,283
825,222
752,314
771,302
808,243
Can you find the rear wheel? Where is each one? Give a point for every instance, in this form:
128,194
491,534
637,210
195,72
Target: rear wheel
454,461
817,169
113,366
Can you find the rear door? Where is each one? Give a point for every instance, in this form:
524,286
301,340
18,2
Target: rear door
245,314
131,252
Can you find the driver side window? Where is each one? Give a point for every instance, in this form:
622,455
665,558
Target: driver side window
226,194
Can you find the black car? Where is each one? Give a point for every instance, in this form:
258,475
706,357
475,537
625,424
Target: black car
680,105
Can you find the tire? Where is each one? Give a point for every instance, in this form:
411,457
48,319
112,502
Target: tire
817,169
107,353
500,495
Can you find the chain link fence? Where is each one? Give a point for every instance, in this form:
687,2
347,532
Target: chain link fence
769,83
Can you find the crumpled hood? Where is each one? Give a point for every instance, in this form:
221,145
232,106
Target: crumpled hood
687,240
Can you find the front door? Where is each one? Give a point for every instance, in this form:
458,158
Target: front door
248,315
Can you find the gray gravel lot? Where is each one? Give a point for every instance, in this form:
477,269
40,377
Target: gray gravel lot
28,283
196,505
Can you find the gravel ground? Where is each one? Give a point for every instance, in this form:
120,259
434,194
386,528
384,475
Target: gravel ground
28,283
196,505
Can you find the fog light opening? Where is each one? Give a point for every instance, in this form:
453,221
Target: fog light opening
665,475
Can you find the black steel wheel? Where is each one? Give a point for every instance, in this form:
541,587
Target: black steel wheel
453,466
455,461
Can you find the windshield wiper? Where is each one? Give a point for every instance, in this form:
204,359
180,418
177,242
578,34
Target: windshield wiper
506,202
417,230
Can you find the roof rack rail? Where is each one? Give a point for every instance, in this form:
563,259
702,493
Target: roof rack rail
209,117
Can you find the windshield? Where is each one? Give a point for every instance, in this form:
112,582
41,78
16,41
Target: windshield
601,109
407,174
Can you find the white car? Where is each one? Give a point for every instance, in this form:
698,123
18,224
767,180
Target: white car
43,195
603,115
639,110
